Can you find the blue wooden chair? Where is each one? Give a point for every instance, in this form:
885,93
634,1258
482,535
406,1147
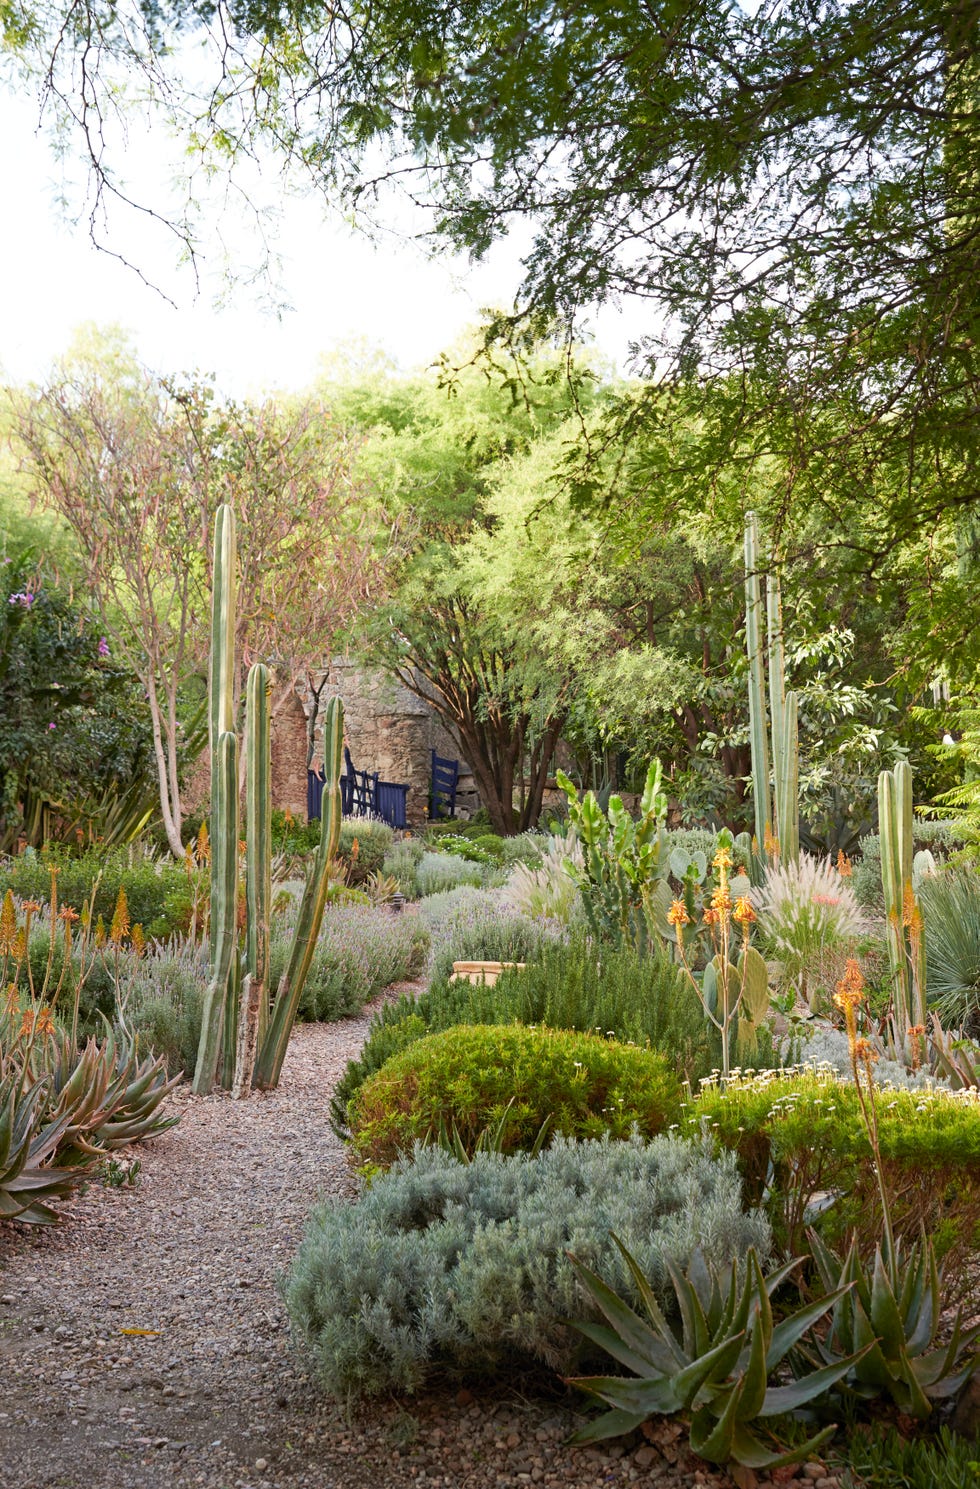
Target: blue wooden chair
442,793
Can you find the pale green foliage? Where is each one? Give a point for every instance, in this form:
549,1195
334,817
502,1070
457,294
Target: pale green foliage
437,872
443,1264
549,888
806,910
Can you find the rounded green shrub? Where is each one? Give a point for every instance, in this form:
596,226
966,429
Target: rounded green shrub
801,1135
564,985
453,1267
474,1077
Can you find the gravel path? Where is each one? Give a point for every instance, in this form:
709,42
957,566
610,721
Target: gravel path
214,1395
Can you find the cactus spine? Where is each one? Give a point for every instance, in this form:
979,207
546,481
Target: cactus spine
784,813
227,1034
273,1051
906,944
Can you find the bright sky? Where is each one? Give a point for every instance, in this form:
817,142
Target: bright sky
340,287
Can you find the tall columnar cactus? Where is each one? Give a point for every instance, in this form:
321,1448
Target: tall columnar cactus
221,691
906,943
758,732
224,915
253,1016
268,1067
781,825
228,1037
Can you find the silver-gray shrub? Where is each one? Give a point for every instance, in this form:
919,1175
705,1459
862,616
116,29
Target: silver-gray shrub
482,927
444,1266
436,872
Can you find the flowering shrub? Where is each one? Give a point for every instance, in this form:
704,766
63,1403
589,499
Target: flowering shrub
807,912
800,1133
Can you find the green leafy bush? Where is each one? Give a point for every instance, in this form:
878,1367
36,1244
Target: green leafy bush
373,841
800,1135
437,872
163,1011
643,1001
452,1267
401,862
471,1077
158,891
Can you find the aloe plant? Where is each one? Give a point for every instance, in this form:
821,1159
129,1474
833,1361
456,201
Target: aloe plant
716,1372
28,1182
887,1319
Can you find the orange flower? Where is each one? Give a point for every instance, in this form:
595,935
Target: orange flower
710,916
119,929
677,915
203,850
850,993
743,913
8,924
721,901
138,939
100,932
68,913
722,860
844,866
45,1021
771,843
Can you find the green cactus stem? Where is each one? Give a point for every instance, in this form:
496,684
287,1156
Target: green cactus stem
272,1053
224,928
221,687
253,1015
906,942
758,723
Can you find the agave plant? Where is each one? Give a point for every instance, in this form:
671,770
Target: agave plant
28,1182
104,1094
716,1373
890,1316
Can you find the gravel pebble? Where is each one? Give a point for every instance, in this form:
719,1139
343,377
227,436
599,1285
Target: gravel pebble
143,1342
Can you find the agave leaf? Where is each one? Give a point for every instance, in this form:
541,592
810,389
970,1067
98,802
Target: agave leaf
884,1315
646,1293
789,1331
748,1450
644,1398
780,1399
628,1325
712,1436
610,1424
756,1377
716,1362
610,1341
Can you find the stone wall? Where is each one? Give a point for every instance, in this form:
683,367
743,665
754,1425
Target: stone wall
389,729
